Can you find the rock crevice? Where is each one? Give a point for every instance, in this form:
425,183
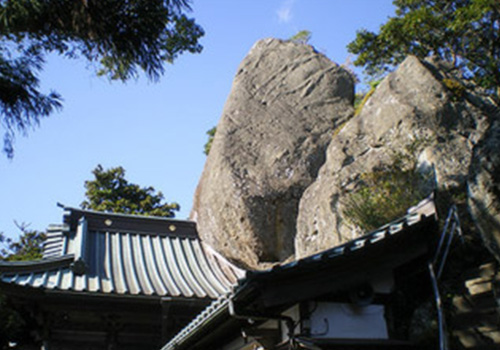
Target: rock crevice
289,151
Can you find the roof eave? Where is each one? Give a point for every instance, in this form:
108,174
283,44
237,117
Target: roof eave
36,265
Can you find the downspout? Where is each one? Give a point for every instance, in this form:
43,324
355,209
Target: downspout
248,316
443,338
437,263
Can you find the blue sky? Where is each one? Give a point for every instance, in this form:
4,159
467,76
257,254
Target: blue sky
156,131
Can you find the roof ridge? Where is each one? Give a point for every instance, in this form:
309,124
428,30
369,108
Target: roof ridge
124,215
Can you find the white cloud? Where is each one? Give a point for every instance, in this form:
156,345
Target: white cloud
285,11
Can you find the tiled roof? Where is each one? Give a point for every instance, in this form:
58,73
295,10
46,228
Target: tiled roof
217,307
425,209
94,252
416,215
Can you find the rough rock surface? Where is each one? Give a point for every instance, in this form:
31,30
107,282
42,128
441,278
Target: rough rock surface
484,186
285,102
410,106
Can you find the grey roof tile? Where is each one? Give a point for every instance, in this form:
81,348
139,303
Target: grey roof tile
171,262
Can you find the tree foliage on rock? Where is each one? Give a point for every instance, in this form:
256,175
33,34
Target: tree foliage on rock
208,144
121,38
302,37
465,32
389,190
109,191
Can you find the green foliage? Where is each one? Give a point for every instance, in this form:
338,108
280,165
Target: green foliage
208,145
384,196
386,193
361,98
109,191
21,104
455,87
465,32
302,37
120,38
28,247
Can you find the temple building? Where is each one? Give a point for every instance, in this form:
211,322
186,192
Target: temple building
112,281
359,295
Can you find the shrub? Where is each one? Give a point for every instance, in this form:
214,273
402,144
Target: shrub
386,193
208,144
456,88
302,37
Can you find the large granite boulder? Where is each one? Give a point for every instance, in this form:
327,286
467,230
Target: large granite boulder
484,186
285,102
416,107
